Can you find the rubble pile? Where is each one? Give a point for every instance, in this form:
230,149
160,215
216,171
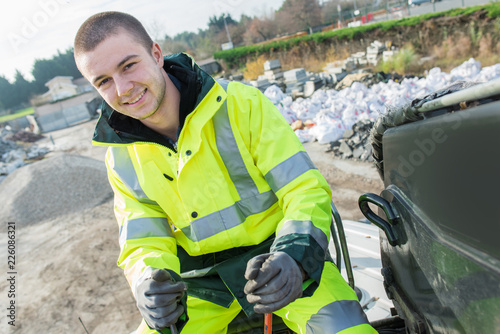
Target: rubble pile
300,83
24,136
295,80
374,52
39,191
272,69
375,78
336,67
354,142
6,146
350,79
359,59
16,150
329,115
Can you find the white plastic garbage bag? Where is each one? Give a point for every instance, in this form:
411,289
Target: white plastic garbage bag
274,94
467,71
335,111
287,113
304,135
328,131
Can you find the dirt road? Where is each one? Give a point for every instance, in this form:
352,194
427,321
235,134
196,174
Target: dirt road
66,266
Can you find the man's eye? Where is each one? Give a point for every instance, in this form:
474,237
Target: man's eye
103,82
129,66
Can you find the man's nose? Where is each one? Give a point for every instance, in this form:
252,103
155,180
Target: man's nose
123,86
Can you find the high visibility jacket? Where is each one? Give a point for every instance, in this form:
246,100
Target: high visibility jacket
237,176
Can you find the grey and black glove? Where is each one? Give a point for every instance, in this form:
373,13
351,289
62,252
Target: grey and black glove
274,281
158,298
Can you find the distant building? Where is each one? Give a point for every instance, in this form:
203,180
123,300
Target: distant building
210,65
82,85
61,87
66,103
61,114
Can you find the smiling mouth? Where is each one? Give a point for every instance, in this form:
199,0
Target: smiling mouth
137,99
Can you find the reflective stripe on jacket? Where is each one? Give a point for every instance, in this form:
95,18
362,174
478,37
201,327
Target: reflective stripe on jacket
238,175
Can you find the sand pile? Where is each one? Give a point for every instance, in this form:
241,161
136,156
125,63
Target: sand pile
53,187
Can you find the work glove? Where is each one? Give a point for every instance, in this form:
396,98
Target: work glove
158,298
274,281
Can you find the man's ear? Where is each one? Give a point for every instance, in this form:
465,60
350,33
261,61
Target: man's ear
157,54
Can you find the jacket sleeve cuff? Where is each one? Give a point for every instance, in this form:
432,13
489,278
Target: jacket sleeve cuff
303,249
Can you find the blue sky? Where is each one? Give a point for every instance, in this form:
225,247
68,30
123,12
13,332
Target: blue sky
31,29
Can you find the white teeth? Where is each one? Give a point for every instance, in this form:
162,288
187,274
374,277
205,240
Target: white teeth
132,102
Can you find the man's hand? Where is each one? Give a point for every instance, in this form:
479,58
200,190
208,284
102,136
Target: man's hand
274,281
158,299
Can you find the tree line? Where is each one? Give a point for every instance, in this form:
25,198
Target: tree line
17,95
293,16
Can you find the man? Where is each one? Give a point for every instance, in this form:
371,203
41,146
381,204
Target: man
212,187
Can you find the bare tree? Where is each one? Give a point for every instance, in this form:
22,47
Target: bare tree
297,15
260,30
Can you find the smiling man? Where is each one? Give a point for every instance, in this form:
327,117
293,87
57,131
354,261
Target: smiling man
220,208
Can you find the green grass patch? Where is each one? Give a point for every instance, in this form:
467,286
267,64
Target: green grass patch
19,113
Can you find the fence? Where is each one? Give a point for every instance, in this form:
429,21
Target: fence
394,9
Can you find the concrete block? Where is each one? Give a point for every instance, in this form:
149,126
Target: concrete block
334,68
362,61
337,63
345,150
350,65
367,153
348,134
76,114
261,83
356,154
272,64
386,55
297,74
358,55
273,74
372,58
375,48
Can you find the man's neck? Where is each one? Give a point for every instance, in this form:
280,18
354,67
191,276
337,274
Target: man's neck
167,131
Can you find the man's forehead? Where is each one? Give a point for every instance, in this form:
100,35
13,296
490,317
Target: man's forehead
117,36
109,53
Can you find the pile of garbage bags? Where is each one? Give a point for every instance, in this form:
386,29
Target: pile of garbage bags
329,113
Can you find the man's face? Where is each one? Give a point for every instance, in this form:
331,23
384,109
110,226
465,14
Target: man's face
127,76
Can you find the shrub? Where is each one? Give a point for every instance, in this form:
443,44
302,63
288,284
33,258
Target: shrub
406,61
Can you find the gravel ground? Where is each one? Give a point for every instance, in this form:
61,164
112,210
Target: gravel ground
62,184
66,235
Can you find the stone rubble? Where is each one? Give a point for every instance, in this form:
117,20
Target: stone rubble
374,52
300,83
296,82
17,149
24,136
354,142
272,70
342,117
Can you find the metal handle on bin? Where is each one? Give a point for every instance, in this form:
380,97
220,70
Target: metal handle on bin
392,217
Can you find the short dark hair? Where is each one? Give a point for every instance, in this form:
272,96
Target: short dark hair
100,26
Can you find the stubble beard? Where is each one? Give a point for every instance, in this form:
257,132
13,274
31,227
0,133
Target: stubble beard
159,99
